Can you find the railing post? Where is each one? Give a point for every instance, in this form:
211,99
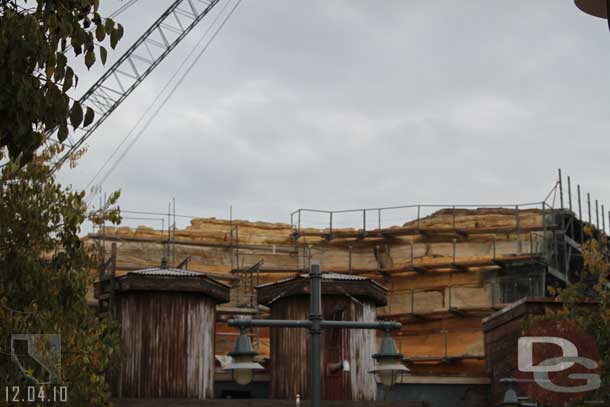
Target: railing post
364,221
597,214
560,189
518,229
299,222
570,193
589,206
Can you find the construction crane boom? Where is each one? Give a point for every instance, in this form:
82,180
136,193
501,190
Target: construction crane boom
120,80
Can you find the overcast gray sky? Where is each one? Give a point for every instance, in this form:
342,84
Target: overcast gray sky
364,103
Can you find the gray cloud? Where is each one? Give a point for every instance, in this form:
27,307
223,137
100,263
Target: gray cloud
368,103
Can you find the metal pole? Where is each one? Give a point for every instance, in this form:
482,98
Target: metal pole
570,193
331,222
379,219
315,316
597,214
582,235
603,219
364,221
589,206
518,229
560,189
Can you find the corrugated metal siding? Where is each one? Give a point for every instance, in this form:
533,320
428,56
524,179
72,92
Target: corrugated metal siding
168,341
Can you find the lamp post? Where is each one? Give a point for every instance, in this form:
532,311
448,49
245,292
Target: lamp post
388,359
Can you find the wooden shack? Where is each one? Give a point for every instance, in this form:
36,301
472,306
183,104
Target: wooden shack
167,331
344,297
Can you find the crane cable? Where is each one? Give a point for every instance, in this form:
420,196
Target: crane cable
165,100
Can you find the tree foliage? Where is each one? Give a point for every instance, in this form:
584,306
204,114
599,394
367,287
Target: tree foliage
45,272
592,286
36,37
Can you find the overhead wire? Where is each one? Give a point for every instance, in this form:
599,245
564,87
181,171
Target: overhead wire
160,94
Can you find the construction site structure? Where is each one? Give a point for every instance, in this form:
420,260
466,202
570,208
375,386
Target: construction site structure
446,268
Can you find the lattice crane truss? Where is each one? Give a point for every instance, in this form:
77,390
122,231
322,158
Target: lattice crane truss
124,76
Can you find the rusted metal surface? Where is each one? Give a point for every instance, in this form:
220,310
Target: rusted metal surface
290,350
168,344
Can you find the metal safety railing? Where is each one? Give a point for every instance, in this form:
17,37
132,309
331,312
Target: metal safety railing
374,219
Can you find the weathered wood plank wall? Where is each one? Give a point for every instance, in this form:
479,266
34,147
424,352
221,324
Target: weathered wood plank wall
168,342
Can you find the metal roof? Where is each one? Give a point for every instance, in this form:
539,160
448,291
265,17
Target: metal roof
325,276
172,272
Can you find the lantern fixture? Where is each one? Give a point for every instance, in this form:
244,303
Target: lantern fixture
389,362
511,399
243,365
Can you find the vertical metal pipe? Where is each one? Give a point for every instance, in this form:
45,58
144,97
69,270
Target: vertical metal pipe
299,222
418,215
518,228
315,316
379,218
330,222
569,193
364,220
589,206
560,188
582,234
597,214
603,219
579,203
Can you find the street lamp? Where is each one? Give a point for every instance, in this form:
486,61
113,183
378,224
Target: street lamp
243,365
389,362
388,357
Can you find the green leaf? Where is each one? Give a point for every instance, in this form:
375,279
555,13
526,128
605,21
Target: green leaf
114,39
89,59
89,116
68,80
76,115
100,33
62,133
109,25
103,55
